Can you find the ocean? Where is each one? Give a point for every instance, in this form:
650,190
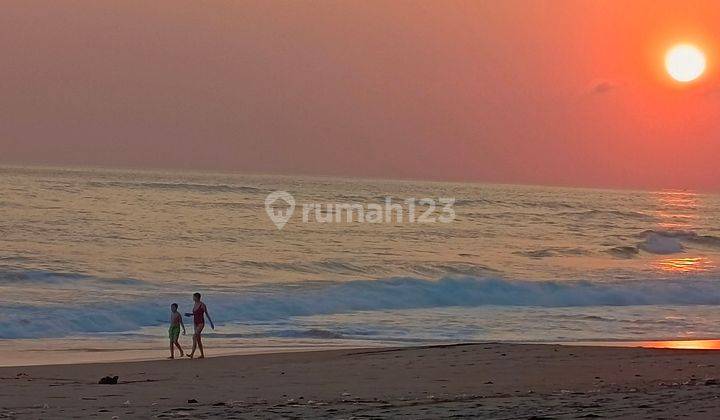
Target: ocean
91,259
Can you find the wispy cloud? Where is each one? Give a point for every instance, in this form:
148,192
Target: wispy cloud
601,87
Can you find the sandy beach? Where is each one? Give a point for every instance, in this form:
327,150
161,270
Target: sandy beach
470,380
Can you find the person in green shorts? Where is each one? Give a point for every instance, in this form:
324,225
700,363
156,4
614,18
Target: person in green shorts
175,323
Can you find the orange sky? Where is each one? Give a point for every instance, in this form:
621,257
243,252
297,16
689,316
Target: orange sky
547,92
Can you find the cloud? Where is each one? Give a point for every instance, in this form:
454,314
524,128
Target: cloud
601,87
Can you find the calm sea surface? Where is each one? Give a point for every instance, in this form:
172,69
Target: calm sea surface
92,254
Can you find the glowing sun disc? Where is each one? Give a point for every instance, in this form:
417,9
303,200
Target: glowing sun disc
685,62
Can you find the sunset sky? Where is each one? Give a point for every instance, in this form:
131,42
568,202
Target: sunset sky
543,92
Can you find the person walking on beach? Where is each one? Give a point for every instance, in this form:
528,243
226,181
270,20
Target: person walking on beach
199,313
174,332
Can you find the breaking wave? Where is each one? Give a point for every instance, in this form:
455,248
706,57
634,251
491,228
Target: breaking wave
277,303
665,242
656,243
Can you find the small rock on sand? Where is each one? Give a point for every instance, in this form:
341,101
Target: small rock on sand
108,380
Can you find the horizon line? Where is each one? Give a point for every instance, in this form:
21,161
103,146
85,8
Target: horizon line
222,171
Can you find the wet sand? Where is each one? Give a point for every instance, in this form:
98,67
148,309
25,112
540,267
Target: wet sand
471,380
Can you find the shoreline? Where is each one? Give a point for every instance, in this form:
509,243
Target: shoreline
39,353
488,380
70,352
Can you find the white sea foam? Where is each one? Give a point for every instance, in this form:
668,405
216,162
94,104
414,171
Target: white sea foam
278,303
656,243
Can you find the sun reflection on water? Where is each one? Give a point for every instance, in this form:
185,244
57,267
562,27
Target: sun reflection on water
677,209
683,344
685,265
678,213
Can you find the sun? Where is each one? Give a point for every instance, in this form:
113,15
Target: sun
685,62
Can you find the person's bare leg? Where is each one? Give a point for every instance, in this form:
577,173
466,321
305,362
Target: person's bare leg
200,346
182,353
192,352
172,351
197,340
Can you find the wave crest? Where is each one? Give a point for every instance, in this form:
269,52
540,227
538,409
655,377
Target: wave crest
362,295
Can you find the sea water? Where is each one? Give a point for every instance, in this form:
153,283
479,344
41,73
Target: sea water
90,257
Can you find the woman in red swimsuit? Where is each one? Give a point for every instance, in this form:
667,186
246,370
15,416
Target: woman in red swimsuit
199,313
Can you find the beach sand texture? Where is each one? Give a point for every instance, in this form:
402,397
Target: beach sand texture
472,380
